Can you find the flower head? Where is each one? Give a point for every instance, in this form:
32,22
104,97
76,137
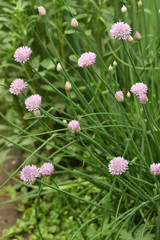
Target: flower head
46,169
119,96
155,168
29,173
138,36
74,126
87,59
33,102
17,86
120,30
118,165
143,98
22,54
42,11
139,88
74,23
68,86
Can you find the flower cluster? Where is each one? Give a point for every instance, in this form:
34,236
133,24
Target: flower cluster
120,30
31,172
118,165
155,169
33,102
74,126
140,90
87,59
17,86
22,54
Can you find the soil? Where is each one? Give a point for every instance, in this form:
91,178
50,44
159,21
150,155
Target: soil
8,213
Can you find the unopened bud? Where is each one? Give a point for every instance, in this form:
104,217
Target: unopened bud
42,11
139,3
128,95
138,36
74,23
123,9
64,121
59,68
130,38
68,86
37,113
119,96
110,68
115,63
159,11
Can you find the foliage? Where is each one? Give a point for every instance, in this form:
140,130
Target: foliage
89,203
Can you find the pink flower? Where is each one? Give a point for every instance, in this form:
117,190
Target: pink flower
46,169
118,165
22,54
139,88
74,23
74,126
87,59
29,173
138,36
41,11
143,98
17,86
119,96
120,30
155,168
33,102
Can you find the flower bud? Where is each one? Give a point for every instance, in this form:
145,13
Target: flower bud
37,113
139,3
119,96
42,11
59,67
115,63
123,9
64,121
110,68
68,86
74,23
138,36
159,11
128,95
143,98
130,38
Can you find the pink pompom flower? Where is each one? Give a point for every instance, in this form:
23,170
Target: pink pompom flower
17,86
46,169
139,88
29,173
22,54
42,11
118,165
143,98
119,96
120,30
87,59
33,102
74,126
155,169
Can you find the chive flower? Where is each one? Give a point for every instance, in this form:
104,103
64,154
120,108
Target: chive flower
120,30
118,165
17,86
22,54
29,174
87,59
33,102
74,126
119,96
46,169
155,169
